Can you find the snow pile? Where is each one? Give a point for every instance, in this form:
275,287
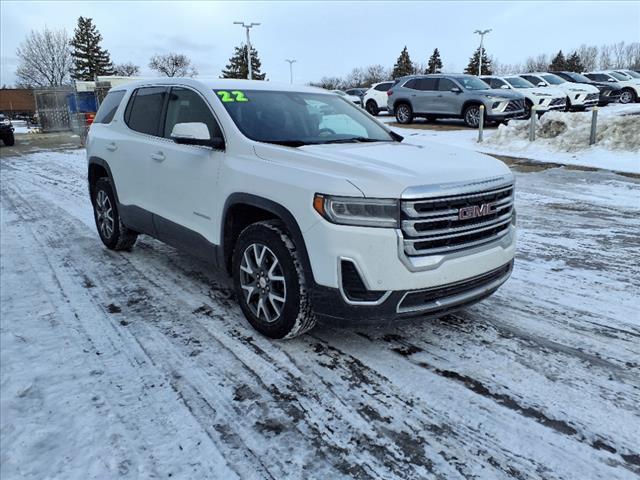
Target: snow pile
570,131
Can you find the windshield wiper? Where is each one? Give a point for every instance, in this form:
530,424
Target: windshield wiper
350,140
288,143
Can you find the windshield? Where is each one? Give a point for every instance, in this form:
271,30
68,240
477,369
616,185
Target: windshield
300,118
553,79
576,77
631,73
617,76
471,83
517,82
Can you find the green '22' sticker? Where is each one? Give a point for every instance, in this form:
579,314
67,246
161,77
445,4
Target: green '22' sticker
232,96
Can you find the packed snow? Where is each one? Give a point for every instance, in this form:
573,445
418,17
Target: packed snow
140,364
561,138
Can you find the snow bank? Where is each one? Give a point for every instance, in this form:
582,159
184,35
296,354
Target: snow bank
570,131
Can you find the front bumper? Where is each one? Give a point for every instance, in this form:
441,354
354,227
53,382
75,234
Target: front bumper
433,302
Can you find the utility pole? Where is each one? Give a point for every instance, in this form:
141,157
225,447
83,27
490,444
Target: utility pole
247,26
291,62
482,33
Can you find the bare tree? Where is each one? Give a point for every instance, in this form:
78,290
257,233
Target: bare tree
632,56
605,57
375,74
506,68
330,83
355,78
537,64
127,69
44,59
618,50
588,55
173,65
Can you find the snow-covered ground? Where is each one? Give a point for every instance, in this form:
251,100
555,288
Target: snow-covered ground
139,364
563,138
20,126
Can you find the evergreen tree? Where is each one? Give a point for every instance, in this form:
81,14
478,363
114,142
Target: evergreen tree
238,66
403,65
558,62
472,68
574,63
89,58
435,63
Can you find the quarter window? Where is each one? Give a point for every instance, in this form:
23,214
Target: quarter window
186,106
109,106
145,109
383,87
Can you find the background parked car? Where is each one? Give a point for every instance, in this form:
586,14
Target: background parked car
375,99
579,97
451,96
352,98
608,92
6,131
544,98
630,88
357,92
629,73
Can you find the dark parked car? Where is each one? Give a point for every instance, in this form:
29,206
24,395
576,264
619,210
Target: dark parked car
452,96
608,93
6,131
358,92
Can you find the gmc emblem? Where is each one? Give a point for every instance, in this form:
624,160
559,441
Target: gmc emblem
477,211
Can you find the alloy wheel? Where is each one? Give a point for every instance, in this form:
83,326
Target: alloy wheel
263,283
626,97
403,113
104,214
472,116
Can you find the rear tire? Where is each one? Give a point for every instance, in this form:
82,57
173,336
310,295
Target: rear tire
372,107
627,96
404,113
471,116
113,233
269,281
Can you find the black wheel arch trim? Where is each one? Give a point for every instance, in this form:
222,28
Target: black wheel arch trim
279,211
102,163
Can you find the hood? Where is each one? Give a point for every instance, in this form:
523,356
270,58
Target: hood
577,88
553,91
385,170
498,92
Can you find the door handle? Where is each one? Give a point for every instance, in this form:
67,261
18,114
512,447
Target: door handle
112,147
158,157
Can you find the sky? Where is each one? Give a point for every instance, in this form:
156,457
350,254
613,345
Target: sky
327,38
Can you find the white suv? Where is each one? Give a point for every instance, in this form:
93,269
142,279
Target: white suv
543,98
579,95
375,99
317,210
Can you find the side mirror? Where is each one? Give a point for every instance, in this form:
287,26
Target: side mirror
541,84
504,87
456,90
195,133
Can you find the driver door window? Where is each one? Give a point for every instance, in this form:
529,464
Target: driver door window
186,106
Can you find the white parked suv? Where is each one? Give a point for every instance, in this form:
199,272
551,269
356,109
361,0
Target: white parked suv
579,95
316,210
375,99
630,86
543,98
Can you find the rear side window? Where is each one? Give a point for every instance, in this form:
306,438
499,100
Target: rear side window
427,83
383,87
186,106
532,79
145,110
445,85
109,106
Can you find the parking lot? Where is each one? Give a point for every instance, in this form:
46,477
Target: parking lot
146,355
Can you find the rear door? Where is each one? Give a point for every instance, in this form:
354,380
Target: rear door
136,151
184,177
423,96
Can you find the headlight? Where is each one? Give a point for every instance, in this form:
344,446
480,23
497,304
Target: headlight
6,121
497,99
364,212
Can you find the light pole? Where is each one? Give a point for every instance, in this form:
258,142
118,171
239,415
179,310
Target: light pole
247,26
291,62
482,33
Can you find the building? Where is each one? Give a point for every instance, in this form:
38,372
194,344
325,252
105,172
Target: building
17,101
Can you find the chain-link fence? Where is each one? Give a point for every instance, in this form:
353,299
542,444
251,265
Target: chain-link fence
52,108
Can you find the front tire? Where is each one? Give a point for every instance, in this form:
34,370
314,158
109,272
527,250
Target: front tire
113,233
269,281
627,96
372,107
471,116
9,140
404,114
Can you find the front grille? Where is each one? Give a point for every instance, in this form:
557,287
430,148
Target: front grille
447,224
592,96
434,298
514,105
557,101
